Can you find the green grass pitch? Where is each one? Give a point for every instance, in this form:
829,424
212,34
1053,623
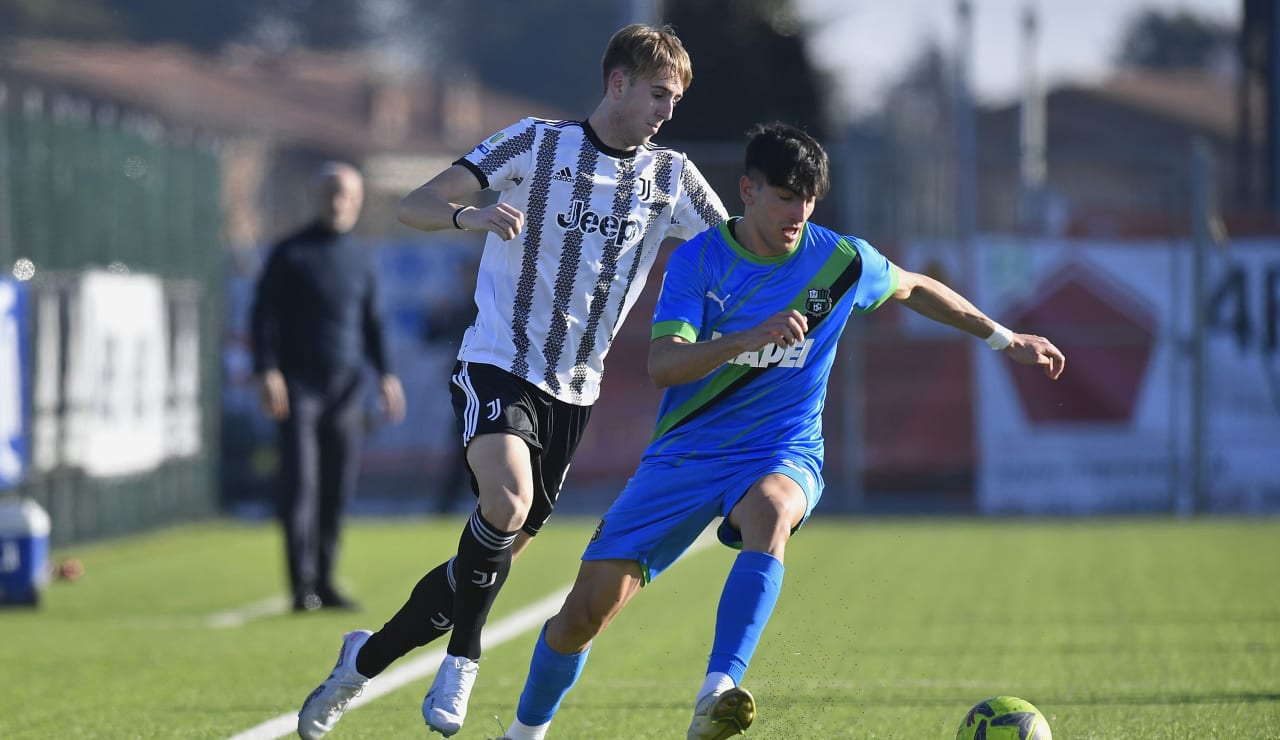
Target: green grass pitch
1116,629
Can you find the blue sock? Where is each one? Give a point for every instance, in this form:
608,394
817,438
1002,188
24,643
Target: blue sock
551,675
750,593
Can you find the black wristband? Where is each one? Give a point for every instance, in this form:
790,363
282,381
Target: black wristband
457,225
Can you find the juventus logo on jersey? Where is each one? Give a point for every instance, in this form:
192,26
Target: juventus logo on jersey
485,580
644,188
495,408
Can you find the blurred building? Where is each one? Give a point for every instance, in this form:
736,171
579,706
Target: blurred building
1117,155
1117,160
277,116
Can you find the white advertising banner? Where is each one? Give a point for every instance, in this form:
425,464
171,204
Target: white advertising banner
183,424
1242,377
1115,433
13,437
46,392
117,374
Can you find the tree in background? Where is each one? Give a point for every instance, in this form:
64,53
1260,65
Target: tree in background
749,56
276,25
750,64
1179,40
77,19
547,50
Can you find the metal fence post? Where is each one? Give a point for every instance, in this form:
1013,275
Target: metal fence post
1202,214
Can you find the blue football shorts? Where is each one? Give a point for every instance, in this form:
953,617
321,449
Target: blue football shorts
667,504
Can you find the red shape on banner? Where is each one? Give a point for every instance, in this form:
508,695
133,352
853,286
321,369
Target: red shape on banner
1107,335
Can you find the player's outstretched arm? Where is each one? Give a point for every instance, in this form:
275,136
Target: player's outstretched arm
674,361
933,299
434,206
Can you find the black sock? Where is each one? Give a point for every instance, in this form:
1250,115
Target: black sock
425,616
482,565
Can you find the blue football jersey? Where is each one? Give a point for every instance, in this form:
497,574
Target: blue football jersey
772,399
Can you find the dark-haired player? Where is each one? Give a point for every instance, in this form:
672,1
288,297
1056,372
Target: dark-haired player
744,336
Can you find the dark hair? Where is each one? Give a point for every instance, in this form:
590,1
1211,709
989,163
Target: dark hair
647,51
788,158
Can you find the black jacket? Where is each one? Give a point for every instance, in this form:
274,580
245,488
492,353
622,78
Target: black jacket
314,311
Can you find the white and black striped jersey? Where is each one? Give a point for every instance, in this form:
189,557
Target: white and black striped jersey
551,300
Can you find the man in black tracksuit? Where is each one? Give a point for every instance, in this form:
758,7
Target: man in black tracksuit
313,322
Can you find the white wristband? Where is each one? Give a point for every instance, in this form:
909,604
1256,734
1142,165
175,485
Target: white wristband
461,210
1000,338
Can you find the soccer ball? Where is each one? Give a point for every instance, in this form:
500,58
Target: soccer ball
1004,718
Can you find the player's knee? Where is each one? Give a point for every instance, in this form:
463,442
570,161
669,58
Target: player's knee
786,509
768,527
769,515
505,510
573,629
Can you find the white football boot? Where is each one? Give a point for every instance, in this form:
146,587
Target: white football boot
720,716
324,706
445,706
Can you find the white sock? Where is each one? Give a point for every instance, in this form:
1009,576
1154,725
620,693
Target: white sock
715,683
520,731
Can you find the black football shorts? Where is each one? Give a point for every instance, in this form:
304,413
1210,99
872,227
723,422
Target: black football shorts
490,400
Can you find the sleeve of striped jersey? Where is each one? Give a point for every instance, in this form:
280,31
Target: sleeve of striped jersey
697,206
503,160
679,309
878,280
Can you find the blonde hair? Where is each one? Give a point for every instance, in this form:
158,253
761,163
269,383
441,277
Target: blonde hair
642,50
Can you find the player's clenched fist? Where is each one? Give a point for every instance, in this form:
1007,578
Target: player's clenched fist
502,219
783,329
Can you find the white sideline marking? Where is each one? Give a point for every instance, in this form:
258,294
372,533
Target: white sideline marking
426,664
237,617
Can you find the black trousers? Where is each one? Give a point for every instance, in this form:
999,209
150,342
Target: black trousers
319,465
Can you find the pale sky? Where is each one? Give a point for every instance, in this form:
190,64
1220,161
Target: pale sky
866,43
